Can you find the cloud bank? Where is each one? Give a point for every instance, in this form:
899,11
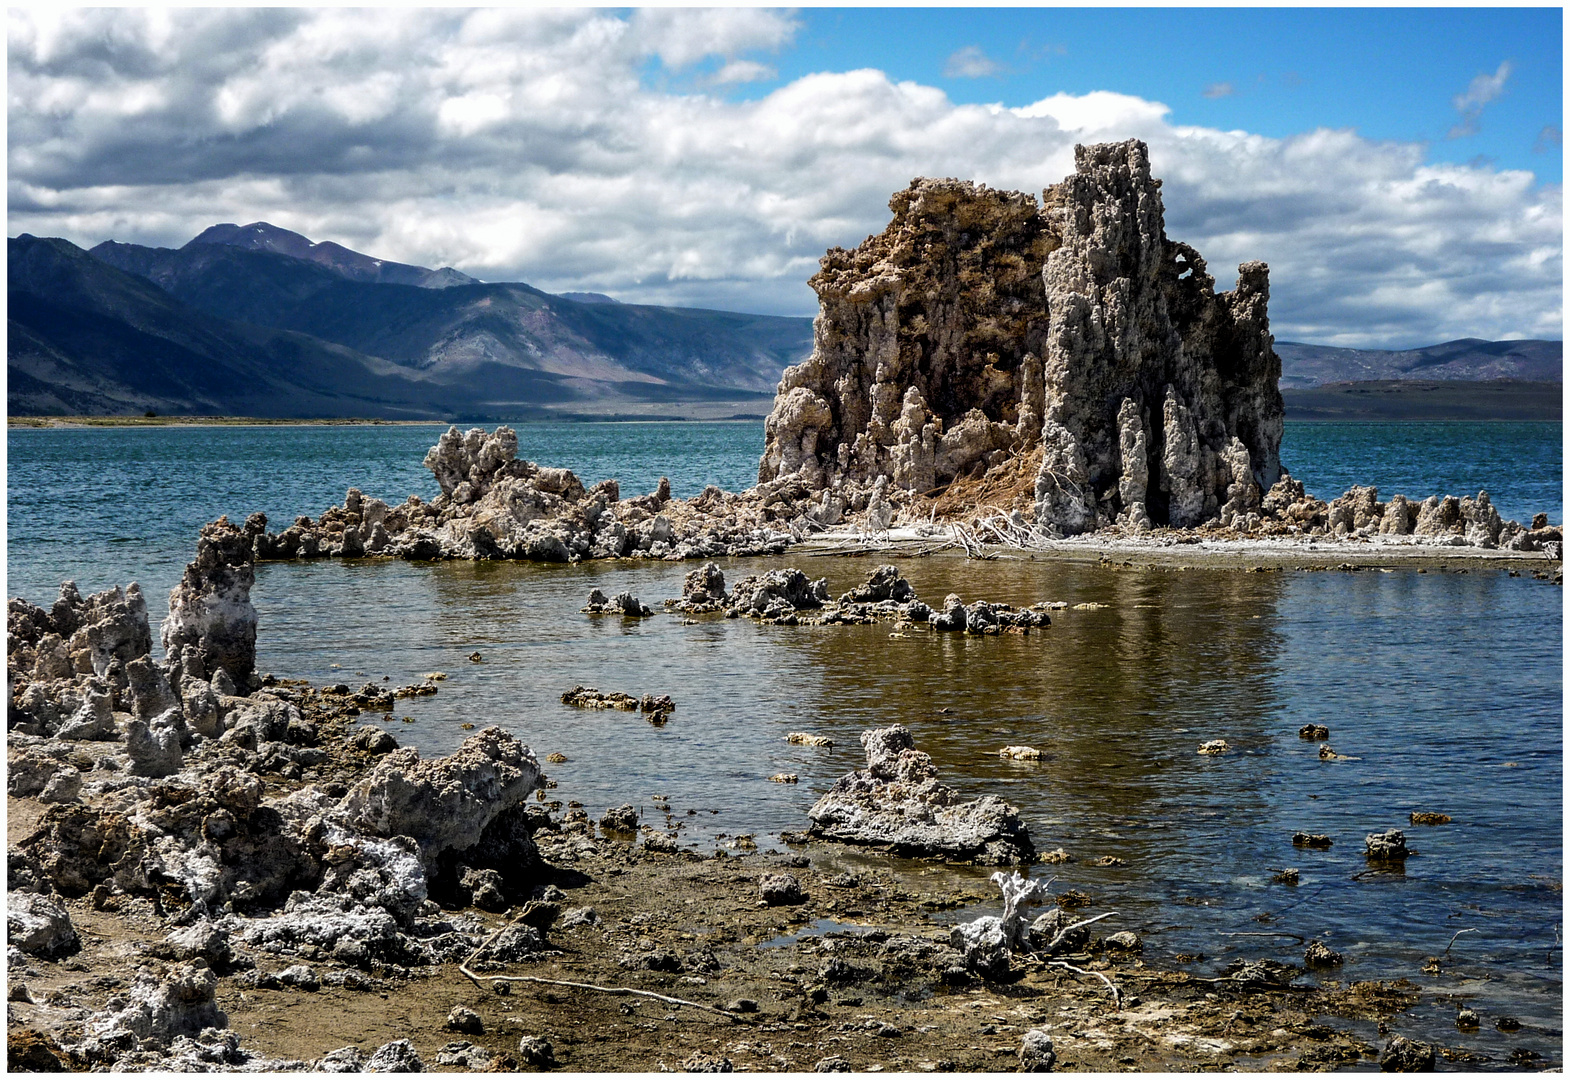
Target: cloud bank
587,150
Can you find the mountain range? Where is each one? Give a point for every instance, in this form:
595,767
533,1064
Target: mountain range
255,320
202,329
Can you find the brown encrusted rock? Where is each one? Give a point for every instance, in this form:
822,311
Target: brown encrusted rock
1406,1055
897,803
982,326
211,607
920,346
445,803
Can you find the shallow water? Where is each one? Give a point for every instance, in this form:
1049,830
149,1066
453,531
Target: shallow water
1443,689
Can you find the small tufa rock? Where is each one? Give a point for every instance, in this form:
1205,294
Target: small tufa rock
1125,941
701,1062
1289,876
1313,731
1467,1020
1420,817
465,1020
1020,753
1387,847
897,803
537,1052
1320,955
620,819
833,1064
624,604
1036,1053
39,926
1406,1055
1310,840
801,738
776,889
1214,746
784,778
397,1056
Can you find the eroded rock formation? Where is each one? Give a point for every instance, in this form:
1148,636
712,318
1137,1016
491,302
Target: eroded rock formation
210,611
982,327
897,804
495,505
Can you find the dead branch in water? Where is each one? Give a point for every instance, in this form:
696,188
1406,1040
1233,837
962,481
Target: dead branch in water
1458,933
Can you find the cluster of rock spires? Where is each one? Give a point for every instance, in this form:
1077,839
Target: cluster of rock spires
788,597
495,505
1060,359
982,327
155,777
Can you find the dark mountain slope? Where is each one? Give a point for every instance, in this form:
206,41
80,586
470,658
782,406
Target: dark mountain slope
85,335
260,236
1469,359
453,330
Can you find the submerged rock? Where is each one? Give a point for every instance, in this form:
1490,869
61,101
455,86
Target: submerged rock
897,803
1386,847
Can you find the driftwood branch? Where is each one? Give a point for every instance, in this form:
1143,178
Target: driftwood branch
1117,995
1458,933
1063,933
619,991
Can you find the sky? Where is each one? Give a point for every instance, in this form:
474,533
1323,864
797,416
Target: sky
1399,169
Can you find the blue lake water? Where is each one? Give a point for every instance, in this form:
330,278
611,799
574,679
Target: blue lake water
1442,690
108,505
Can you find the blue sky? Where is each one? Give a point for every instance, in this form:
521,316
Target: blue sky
1390,165
1388,73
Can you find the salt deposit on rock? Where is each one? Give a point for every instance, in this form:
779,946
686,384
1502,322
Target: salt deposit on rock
210,610
38,925
896,803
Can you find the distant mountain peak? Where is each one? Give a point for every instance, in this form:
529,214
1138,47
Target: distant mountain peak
589,297
264,236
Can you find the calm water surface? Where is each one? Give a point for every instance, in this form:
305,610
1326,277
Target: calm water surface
1442,689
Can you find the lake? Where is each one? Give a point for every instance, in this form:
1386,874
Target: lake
1442,690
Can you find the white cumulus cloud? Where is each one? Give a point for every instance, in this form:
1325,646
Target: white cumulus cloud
547,146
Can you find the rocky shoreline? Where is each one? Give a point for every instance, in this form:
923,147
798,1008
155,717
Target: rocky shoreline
494,505
197,849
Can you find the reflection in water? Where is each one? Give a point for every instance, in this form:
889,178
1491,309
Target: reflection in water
1405,669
